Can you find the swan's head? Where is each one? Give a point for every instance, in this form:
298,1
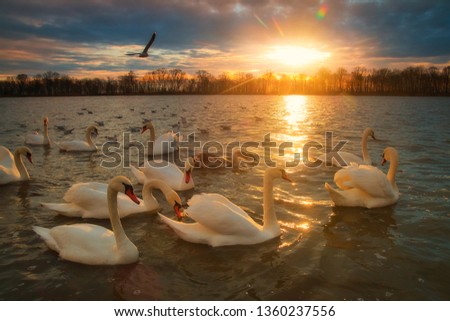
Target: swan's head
46,121
176,203
369,132
121,184
92,130
276,172
389,153
146,126
25,151
188,167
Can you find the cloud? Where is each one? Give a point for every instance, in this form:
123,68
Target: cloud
67,36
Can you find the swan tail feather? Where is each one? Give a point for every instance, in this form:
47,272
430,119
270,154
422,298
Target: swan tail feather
138,174
63,209
44,233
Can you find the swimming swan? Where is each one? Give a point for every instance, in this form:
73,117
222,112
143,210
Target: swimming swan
177,179
89,200
220,222
333,158
164,144
39,139
80,145
366,186
92,244
12,168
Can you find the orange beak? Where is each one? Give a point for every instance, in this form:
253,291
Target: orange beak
187,176
132,196
177,209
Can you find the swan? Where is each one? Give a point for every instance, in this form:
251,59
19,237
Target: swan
219,222
365,185
89,200
92,244
211,160
80,145
164,144
144,53
348,158
39,139
177,179
12,168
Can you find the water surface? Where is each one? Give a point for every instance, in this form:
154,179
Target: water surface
399,252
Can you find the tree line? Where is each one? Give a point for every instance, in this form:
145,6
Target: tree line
414,80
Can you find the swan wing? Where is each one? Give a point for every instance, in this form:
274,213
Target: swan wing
219,198
76,145
219,217
83,243
138,174
6,158
92,202
34,139
366,178
168,172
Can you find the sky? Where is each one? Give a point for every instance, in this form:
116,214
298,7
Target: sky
89,38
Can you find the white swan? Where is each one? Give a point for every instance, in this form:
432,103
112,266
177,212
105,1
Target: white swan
366,186
39,139
89,200
81,145
92,244
219,222
164,144
333,158
12,168
177,179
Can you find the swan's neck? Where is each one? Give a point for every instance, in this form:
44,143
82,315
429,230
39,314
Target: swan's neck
20,166
119,233
89,138
152,133
365,153
149,200
270,219
46,139
392,171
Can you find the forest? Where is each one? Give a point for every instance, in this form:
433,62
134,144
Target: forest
411,81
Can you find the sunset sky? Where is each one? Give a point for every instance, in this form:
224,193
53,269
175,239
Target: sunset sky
89,38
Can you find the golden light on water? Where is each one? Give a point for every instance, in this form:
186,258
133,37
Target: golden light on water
296,111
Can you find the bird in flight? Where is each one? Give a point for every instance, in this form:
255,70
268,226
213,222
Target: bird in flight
144,53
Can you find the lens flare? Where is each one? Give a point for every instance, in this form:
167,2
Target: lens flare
322,12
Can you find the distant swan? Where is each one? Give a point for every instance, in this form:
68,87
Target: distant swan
366,186
144,53
39,139
92,244
12,168
348,158
177,179
89,200
80,145
219,222
164,144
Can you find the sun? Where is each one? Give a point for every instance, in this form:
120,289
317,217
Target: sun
296,56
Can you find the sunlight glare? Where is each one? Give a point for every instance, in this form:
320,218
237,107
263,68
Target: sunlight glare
296,111
296,56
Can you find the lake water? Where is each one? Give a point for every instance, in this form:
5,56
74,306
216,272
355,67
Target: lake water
401,252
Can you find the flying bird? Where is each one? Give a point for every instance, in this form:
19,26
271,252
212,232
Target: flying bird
144,53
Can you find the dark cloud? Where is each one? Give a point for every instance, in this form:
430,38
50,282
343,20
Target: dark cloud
376,29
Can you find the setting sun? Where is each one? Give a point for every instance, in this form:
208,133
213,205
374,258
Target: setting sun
296,56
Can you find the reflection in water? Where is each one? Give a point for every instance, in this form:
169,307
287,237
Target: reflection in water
353,227
296,111
138,282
